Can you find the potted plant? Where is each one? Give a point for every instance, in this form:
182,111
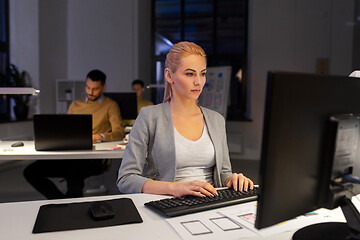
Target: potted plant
14,78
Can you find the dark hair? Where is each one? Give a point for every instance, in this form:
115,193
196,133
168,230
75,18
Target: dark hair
97,75
138,81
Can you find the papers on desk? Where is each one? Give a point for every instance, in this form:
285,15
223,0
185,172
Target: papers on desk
208,226
110,146
237,222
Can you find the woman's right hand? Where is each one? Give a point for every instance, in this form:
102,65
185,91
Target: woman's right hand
195,188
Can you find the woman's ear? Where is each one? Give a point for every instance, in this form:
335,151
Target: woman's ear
168,76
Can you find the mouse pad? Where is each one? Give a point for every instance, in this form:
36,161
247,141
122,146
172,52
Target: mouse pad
72,216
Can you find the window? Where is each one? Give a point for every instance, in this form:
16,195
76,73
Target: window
4,56
4,35
219,27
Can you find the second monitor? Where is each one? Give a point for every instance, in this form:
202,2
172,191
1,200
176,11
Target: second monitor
127,102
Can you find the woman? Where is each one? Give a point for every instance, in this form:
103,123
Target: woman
177,147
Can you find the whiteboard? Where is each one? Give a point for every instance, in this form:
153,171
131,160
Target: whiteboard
215,93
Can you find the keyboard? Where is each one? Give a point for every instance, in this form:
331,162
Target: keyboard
172,207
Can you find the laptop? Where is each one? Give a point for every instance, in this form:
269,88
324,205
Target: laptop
63,132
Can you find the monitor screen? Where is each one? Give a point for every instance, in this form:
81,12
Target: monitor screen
298,141
127,102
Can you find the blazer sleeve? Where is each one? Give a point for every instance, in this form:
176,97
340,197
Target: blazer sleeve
130,179
226,170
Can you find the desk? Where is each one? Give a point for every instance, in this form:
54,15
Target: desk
17,221
28,152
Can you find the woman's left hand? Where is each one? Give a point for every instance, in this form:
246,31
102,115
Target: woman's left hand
239,182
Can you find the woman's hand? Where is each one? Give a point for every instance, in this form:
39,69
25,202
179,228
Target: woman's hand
195,188
239,182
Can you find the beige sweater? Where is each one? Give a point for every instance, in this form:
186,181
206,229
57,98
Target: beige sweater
106,117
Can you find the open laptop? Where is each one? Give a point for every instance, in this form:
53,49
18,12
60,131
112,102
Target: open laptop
63,131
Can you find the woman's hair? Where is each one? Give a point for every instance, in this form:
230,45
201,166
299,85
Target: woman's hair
173,60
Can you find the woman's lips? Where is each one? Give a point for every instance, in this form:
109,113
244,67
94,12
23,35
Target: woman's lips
196,90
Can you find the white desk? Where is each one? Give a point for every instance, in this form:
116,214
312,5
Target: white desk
28,152
17,221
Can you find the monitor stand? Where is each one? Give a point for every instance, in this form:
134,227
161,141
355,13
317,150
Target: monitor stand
328,231
334,230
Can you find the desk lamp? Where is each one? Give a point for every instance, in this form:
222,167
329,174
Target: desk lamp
19,90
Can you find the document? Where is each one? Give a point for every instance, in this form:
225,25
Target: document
245,215
238,222
208,225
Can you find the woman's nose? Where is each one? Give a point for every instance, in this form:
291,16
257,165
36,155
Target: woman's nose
197,81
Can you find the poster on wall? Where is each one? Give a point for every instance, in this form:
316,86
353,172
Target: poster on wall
215,93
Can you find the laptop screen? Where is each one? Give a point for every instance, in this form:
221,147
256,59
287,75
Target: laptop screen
63,131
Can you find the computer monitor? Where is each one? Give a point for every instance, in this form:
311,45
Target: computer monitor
127,102
303,113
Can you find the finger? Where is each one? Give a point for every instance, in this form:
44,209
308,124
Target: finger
196,193
246,183
206,192
251,184
210,190
229,182
235,178
241,181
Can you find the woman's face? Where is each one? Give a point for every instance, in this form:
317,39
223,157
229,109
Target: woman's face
189,79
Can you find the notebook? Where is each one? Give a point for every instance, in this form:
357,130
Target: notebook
63,132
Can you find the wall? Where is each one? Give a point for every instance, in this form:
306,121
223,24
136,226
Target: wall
24,40
16,131
64,39
290,35
53,50
101,36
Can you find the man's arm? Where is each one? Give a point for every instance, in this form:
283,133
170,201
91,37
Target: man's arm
117,129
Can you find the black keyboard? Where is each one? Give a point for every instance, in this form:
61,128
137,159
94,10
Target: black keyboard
172,207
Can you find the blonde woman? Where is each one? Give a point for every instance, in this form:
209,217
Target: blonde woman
178,147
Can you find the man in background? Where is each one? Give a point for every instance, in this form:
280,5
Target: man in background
138,88
107,126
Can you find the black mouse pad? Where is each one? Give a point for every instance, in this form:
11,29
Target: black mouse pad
72,216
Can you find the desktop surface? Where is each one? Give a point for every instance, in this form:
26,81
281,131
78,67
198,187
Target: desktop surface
28,152
154,226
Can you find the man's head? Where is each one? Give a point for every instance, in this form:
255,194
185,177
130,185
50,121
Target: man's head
138,87
95,84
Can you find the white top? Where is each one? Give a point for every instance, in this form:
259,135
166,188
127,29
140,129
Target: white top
195,160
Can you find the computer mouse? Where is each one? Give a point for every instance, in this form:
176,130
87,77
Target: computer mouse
101,211
17,144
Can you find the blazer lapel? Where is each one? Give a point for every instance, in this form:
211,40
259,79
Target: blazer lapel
167,155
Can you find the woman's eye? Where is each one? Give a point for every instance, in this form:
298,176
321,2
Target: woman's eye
189,74
203,74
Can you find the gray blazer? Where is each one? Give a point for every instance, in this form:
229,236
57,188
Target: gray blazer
150,153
